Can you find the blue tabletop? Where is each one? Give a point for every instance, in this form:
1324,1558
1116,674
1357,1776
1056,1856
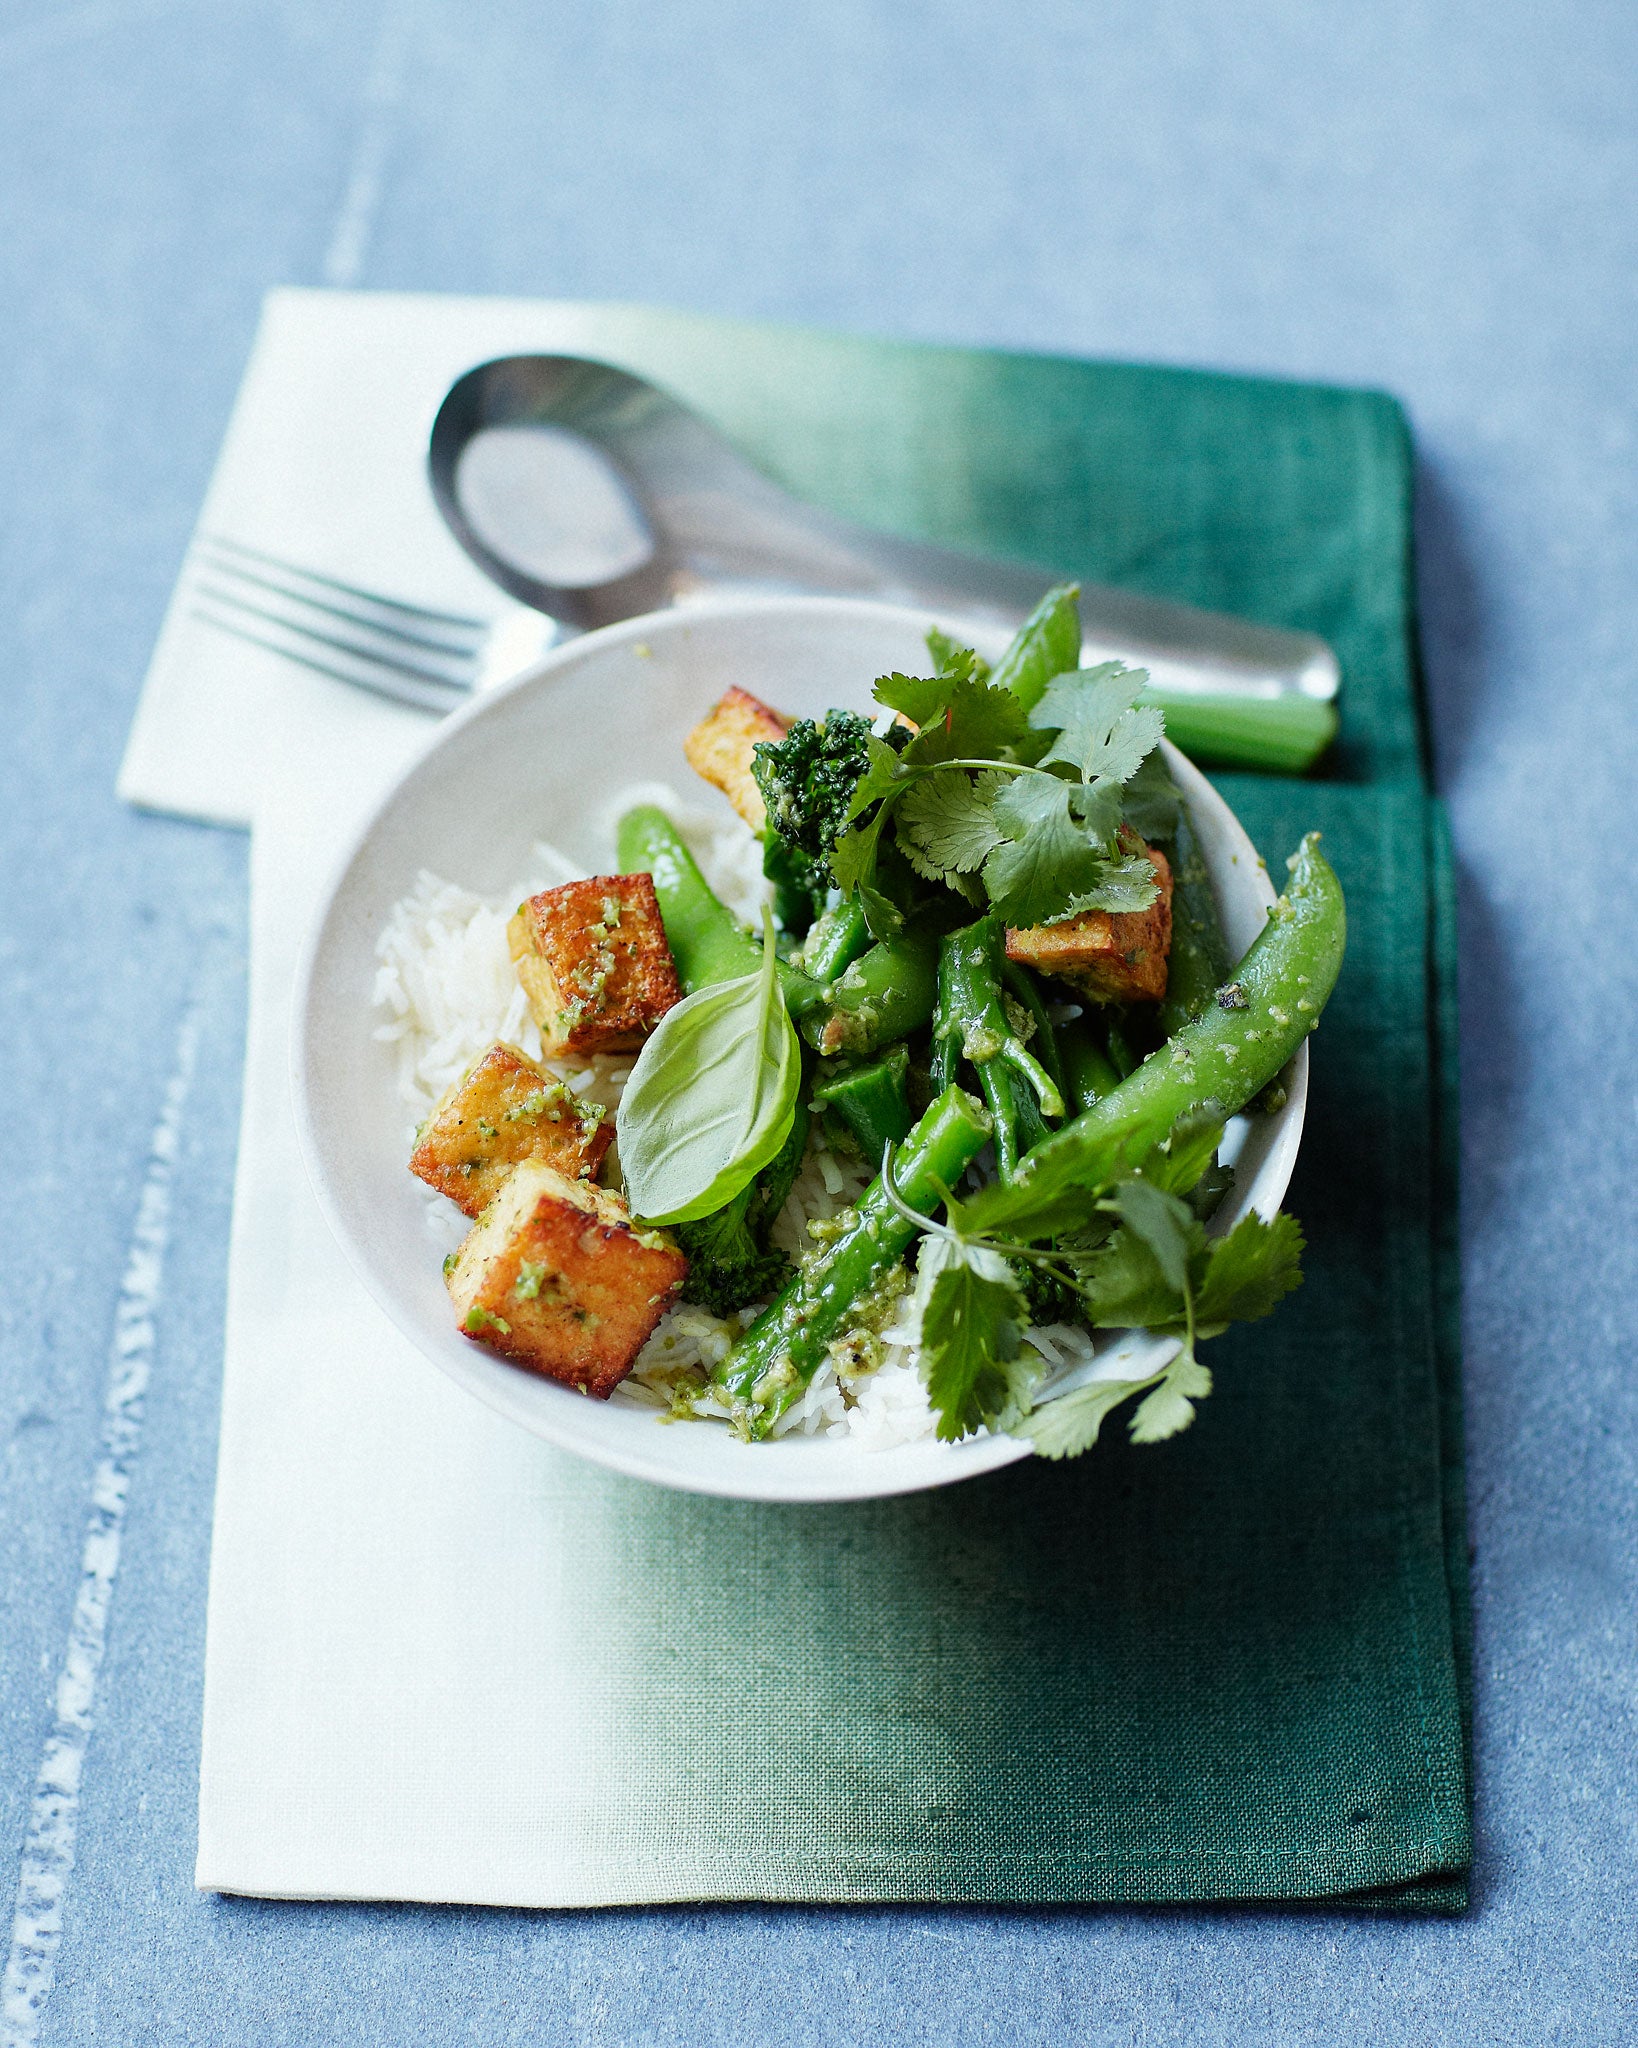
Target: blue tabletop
1435,200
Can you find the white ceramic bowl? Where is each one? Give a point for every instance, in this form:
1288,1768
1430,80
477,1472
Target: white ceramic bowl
539,758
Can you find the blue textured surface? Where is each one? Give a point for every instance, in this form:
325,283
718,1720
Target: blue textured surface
1437,200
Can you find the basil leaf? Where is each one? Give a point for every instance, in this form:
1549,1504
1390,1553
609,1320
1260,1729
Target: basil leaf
711,1098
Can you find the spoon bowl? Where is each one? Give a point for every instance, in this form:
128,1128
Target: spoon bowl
594,496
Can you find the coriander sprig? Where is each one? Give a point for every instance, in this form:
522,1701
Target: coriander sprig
1143,1261
1029,801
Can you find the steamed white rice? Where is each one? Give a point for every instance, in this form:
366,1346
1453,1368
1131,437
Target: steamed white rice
446,982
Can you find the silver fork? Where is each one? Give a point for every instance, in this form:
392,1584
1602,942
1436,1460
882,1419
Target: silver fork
408,652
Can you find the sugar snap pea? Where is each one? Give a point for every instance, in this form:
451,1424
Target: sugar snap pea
708,943
872,1101
885,994
1047,644
1199,955
1223,1058
837,937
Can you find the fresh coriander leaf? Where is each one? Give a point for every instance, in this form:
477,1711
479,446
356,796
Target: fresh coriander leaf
1045,859
974,722
853,860
1126,884
1166,1226
946,822
1129,1287
1101,731
972,1318
1171,1406
1095,807
1068,1425
1251,1270
883,918
882,771
1151,800
920,698
1206,1196
1178,1162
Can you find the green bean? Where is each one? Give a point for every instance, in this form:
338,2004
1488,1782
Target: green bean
872,1101
972,1019
1199,955
885,994
1088,1074
1222,1059
1025,990
767,1369
708,943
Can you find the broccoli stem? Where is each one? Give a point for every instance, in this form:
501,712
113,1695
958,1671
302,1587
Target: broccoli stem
792,877
767,1369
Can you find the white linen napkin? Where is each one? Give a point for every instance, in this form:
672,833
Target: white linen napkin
395,1645
412,1688
444,1661
324,464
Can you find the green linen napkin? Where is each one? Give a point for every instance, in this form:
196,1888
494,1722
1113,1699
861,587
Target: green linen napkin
1234,1665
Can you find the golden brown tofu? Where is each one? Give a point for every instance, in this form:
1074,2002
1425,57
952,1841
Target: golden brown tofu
721,745
505,1110
556,1277
595,964
1109,957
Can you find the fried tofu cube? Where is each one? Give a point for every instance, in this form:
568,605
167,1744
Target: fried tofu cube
556,1277
595,964
1117,957
721,746
502,1111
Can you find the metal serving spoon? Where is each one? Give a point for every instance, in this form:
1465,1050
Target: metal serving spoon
592,495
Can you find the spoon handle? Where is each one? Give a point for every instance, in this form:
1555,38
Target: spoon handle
1183,648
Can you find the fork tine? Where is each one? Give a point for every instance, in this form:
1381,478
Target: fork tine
477,627
462,647
454,671
423,695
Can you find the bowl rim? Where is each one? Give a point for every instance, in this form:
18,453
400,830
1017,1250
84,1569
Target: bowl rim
491,1378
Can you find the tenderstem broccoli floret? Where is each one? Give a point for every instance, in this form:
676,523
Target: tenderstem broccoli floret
732,1259
727,1267
807,780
